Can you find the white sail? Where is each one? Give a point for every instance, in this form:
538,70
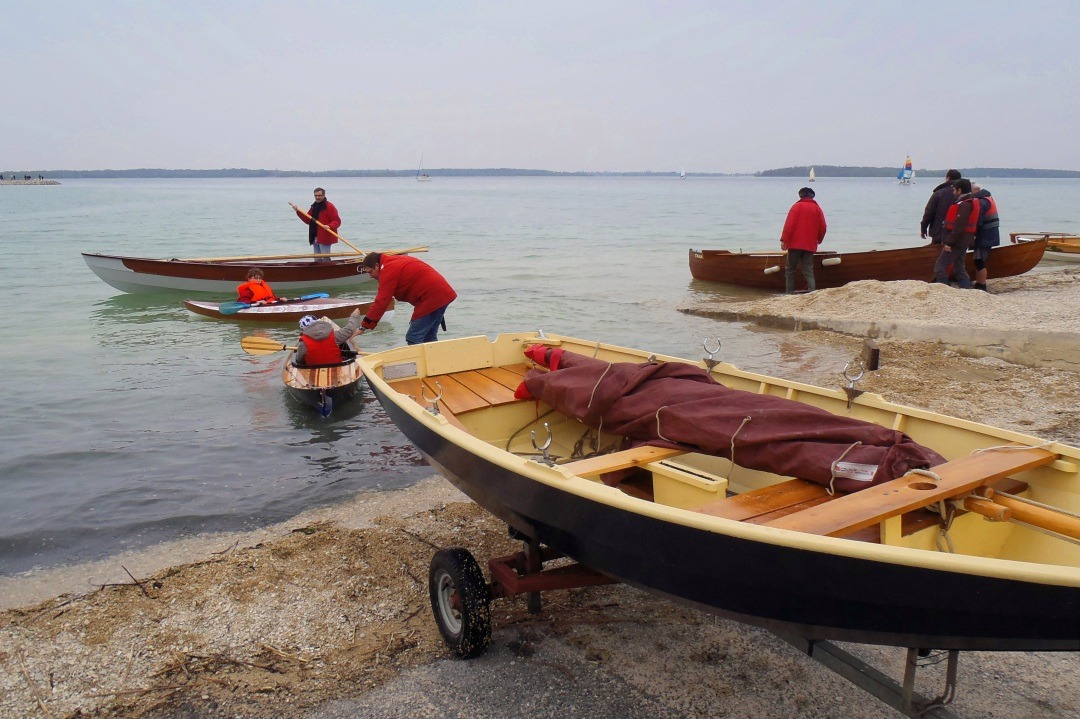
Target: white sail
811,174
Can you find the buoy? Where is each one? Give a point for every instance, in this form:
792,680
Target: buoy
830,261
771,270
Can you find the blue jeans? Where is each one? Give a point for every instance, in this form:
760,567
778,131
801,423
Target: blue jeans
321,249
426,328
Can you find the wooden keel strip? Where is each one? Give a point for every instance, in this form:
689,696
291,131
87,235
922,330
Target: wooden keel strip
852,512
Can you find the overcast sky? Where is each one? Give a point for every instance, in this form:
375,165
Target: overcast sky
619,85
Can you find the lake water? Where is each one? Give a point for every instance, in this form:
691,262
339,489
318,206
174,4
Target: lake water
128,421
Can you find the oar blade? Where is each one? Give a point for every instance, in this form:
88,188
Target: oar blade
315,296
231,308
255,345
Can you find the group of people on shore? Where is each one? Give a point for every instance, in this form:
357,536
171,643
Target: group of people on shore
959,215
400,277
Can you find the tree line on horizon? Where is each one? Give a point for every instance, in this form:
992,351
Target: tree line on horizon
820,171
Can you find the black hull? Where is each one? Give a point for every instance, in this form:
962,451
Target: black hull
811,594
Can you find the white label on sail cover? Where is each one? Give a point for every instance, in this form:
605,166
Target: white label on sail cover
398,371
856,471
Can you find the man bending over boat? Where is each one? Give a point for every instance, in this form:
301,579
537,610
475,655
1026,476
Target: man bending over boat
408,279
320,343
255,291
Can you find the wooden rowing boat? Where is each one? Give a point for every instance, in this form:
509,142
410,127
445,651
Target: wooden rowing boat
290,311
765,270
879,565
323,386
288,274
1060,246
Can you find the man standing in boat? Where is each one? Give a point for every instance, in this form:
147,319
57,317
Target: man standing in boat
933,218
322,210
407,279
804,230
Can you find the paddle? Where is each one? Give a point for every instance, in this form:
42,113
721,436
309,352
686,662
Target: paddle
256,345
231,308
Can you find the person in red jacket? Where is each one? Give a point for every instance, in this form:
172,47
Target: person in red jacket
804,230
321,240
407,279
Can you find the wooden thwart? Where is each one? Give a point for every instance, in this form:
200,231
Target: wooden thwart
852,512
620,460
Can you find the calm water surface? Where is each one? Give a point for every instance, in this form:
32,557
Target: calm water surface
127,420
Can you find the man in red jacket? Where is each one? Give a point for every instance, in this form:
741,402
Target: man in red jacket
407,279
803,232
322,210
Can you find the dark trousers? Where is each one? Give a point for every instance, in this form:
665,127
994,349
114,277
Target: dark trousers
952,257
803,259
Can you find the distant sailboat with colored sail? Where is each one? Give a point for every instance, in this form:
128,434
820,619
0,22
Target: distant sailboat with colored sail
906,174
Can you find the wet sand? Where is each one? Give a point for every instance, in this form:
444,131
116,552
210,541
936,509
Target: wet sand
328,615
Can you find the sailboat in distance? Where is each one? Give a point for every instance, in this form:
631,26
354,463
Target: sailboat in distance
424,177
811,174
906,174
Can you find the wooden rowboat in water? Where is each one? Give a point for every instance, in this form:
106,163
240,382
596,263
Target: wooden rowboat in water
765,270
978,552
287,274
324,386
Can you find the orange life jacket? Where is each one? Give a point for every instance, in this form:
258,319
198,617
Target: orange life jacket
260,291
973,218
324,351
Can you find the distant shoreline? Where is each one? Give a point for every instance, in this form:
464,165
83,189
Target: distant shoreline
29,182
820,171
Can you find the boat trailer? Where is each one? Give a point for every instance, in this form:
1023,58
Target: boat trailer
461,602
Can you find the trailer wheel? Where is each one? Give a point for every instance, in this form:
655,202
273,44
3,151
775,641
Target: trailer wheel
461,601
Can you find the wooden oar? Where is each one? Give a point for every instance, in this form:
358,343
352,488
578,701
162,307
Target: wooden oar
423,248
327,228
256,259
231,308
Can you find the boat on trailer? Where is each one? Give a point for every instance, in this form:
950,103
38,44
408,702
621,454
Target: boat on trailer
765,270
977,551
1060,246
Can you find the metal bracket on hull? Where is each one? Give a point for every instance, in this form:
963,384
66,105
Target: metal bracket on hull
543,448
709,361
433,401
853,372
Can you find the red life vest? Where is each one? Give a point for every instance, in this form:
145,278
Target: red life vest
260,291
324,351
973,218
990,217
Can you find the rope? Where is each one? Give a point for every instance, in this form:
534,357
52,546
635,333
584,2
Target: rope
832,468
1042,445
597,385
948,514
745,420
658,432
925,473
1044,530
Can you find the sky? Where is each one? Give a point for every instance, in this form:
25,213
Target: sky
579,85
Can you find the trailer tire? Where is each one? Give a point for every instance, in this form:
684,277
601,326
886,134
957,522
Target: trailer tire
461,601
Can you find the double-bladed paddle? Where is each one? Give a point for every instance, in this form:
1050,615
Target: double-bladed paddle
256,345
231,308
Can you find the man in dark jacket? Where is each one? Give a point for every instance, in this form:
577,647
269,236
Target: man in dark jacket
958,235
936,207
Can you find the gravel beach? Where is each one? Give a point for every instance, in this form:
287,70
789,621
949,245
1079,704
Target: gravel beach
327,615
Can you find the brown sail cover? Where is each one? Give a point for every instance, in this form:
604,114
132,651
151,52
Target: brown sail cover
682,406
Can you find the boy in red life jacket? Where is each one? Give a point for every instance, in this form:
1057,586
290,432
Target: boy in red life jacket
959,235
320,343
408,279
255,291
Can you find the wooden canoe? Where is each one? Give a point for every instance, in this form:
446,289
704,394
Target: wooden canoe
835,269
872,566
283,312
323,386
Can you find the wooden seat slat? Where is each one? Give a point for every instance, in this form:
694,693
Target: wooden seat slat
457,396
491,391
412,388
620,460
503,376
765,500
852,512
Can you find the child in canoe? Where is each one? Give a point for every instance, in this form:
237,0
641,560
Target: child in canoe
256,291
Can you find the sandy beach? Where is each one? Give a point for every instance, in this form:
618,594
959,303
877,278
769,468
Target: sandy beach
327,615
